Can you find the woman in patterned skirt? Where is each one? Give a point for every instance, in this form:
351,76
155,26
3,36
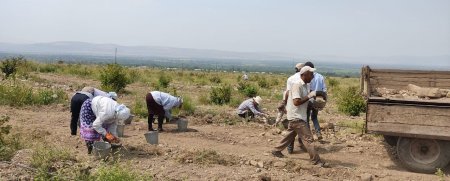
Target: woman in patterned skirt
99,118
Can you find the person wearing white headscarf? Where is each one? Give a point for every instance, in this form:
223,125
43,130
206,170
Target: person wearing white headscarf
160,104
99,118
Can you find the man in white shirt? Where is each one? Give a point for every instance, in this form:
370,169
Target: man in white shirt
297,105
282,107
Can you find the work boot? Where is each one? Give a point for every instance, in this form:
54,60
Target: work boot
160,130
277,154
290,148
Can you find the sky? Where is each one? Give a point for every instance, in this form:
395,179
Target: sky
315,27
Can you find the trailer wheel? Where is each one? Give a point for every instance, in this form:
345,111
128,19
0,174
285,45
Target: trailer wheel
423,155
391,140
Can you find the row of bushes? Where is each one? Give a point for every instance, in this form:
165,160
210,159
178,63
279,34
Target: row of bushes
20,95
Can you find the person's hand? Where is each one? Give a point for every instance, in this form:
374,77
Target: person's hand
312,94
111,138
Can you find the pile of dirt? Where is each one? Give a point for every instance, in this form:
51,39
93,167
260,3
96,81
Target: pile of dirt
413,92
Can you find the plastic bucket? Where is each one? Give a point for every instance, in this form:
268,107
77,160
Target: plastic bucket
152,137
182,125
101,149
120,129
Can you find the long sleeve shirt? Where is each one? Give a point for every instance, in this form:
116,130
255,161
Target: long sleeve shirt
104,109
248,105
166,100
318,83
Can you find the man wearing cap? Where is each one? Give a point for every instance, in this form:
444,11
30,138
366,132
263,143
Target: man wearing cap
282,107
160,104
297,105
250,107
317,84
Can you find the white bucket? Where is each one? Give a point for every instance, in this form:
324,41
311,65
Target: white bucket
152,137
120,130
101,149
182,125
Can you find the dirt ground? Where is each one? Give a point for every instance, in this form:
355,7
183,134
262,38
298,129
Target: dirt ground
353,156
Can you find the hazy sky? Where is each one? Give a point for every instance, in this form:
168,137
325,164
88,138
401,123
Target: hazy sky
315,27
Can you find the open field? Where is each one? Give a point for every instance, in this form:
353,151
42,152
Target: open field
218,145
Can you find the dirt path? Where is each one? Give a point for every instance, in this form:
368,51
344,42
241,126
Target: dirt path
245,146
350,155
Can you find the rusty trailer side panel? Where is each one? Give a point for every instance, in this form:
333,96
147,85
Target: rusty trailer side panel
408,118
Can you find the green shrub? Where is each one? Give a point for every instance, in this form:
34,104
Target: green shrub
114,78
188,107
215,79
332,83
220,95
164,80
350,101
262,82
247,89
9,66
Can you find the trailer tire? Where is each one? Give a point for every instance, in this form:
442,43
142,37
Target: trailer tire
423,155
391,140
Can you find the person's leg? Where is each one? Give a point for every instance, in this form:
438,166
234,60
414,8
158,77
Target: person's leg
308,115
314,113
160,122
74,123
285,141
290,147
89,145
305,134
150,122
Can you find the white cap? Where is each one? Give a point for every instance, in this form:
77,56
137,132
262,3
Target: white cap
307,69
113,95
122,112
257,99
299,66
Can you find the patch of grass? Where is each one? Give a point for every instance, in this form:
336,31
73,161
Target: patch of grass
140,107
440,174
203,99
20,95
355,126
188,107
49,159
116,172
207,157
8,144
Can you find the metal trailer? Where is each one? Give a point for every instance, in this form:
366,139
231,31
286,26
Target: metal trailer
420,129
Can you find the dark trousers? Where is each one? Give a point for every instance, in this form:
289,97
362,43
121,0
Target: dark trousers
302,130
75,107
153,109
247,115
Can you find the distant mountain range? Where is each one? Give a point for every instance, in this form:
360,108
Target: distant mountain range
83,48
142,52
